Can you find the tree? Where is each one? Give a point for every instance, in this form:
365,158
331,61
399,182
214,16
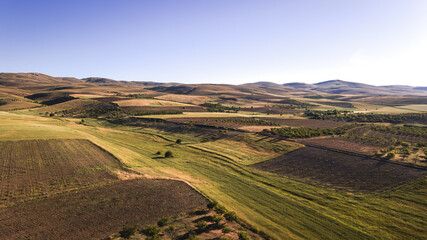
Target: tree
127,232
220,209
201,225
243,235
168,154
151,231
162,222
226,229
212,204
217,219
231,216
178,141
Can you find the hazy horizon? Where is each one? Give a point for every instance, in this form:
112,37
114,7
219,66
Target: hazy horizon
231,42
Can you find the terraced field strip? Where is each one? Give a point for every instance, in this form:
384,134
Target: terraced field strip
96,213
34,168
340,170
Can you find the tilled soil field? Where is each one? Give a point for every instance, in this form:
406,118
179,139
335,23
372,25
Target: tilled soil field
339,170
98,212
34,168
341,143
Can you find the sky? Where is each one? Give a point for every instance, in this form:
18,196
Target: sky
379,42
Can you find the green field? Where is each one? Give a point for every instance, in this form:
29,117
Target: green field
276,205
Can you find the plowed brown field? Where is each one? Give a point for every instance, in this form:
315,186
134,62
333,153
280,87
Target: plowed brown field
34,168
98,212
339,170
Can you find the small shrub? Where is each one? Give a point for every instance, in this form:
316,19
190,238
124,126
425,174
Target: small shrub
127,232
151,231
212,204
254,229
171,228
243,235
231,216
178,141
192,237
168,154
158,153
226,229
201,225
224,238
217,219
163,222
220,209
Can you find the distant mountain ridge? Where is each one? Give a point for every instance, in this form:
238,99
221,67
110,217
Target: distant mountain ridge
354,88
38,80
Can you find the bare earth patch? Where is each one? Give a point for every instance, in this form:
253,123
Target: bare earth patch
340,171
34,168
341,143
98,212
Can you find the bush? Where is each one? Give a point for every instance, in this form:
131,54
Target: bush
243,235
225,238
178,141
220,209
158,153
168,154
127,232
201,225
171,228
390,156
226,229
217,219
151,231
163,222
212,204
192,237
231,216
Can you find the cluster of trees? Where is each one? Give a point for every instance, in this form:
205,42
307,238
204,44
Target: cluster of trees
338,104
304,132
111,110
151,232
402,130
140,96
296,103
374,140
218,107
324,115
347,116
247,121
93,110
151,112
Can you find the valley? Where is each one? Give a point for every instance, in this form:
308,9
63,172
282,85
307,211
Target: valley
334,160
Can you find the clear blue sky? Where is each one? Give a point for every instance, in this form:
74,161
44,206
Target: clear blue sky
219,41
